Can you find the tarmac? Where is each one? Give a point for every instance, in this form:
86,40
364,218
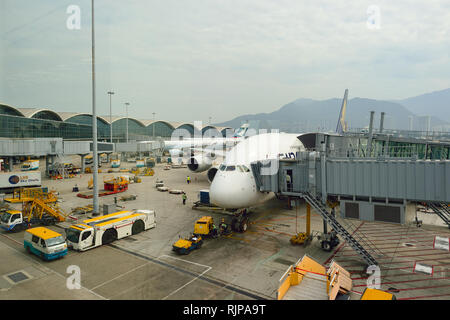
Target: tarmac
239,266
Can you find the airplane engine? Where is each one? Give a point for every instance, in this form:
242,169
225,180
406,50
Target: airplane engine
211,173
199,164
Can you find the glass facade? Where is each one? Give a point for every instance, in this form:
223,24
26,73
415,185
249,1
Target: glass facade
86,119
46,115
48,124
135,129
162,129
21,127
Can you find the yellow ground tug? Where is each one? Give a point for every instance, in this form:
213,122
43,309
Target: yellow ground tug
375,294
327,240
147,172
185,246
205,227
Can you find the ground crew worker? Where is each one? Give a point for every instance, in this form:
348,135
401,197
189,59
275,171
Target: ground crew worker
214,230
188,179
184,198
223,226
288,182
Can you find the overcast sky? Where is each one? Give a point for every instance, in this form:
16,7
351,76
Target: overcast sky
190,60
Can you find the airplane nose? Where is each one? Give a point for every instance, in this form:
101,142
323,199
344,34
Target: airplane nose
231,190
217,194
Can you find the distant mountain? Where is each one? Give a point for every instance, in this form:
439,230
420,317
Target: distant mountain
311,115
435,104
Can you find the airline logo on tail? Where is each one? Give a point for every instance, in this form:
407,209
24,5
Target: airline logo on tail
239,133
342,125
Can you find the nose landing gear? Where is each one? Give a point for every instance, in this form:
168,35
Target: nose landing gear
240,221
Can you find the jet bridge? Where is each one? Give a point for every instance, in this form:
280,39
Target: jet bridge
369,189
378,188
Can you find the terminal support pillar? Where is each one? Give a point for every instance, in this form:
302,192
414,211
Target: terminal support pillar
47,165
83,165
10,164
308,219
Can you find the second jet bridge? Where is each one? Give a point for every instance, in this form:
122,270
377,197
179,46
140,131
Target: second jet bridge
370,189
390,179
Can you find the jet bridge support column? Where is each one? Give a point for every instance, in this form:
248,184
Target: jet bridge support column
323,160
369,140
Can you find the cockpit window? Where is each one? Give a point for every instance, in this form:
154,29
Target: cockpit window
231,168
222,167
245,169
240,168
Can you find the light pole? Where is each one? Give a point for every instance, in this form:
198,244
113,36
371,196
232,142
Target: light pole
126,107
110,116
94,122
153,126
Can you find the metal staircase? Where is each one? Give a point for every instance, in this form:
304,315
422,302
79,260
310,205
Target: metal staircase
38,208
356,244
442,210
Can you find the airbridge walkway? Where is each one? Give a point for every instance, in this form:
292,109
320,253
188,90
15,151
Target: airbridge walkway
381,188
51,148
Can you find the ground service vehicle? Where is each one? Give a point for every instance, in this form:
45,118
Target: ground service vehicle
205,227
140,163
45,243
184,246
375,294
329,240
115,163
30,165
35,212
92,233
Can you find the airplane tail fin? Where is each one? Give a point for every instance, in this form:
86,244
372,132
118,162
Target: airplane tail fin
241,131
342,125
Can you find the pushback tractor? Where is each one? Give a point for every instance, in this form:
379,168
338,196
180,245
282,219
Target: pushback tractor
92,233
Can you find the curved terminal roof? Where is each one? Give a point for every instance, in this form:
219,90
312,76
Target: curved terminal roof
38,113
10,111
47,114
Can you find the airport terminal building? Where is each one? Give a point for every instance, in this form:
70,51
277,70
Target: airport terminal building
45,123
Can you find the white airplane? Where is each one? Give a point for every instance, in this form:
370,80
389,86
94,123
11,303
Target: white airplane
233,185
209,147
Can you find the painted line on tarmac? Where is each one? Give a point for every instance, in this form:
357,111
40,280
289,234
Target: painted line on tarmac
12,239
396,257
192,274
424,297
119,276
53,271
198,264
186,284
405,281
342,245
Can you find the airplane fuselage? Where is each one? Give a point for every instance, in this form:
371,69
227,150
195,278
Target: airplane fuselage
234,185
